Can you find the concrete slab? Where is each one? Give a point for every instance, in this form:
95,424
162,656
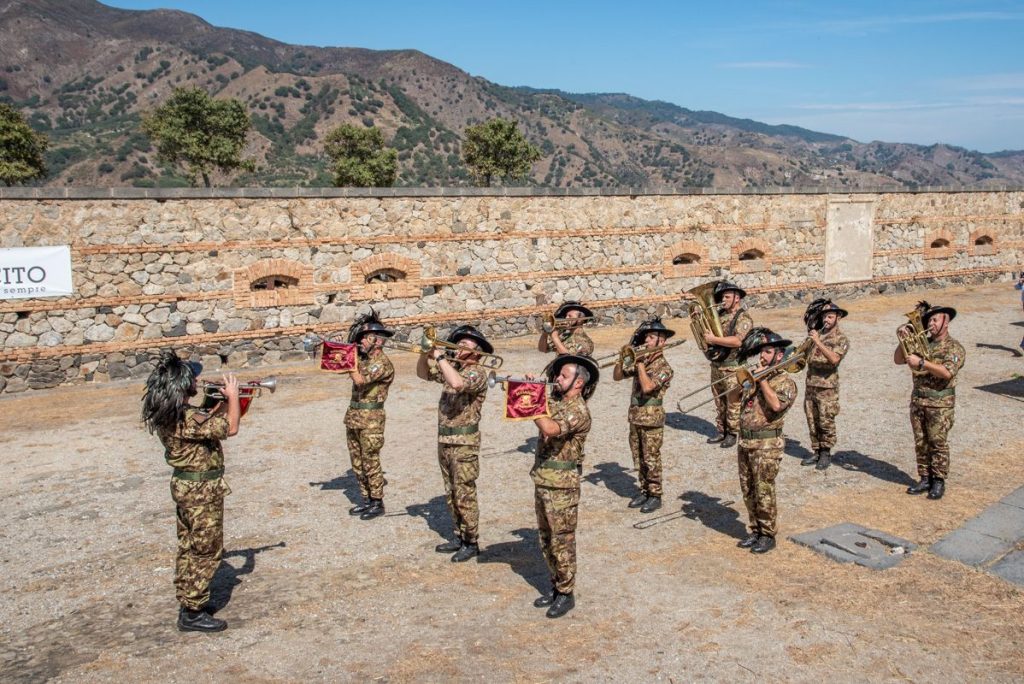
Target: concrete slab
999,520
1015,498
852,543
970,547
1011,567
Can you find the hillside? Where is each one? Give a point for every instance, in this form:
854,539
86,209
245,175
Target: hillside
84,72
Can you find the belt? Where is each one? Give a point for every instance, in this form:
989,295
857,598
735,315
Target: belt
366,405
653,401
198,476
923,393
443,431
559,465
760,434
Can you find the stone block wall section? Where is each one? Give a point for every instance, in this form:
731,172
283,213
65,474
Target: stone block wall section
236,276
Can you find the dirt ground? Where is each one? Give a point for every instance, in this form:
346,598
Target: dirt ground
311,593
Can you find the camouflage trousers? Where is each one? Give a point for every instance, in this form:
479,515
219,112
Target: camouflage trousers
727,413
931,429
821,406
759,466
364,449
200,513
645,443
460,467
557,513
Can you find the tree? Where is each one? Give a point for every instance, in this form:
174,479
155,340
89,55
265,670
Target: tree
193,129
21,148
497,148
359,158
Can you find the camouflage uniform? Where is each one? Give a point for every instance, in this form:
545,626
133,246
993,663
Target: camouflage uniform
760,452
198,490
458,446
364,422
647,424
727,414
821,394
556,479
931,409
575,342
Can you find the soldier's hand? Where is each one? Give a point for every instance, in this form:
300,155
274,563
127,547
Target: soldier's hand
436,353
230,386
708,337
814,335
913,360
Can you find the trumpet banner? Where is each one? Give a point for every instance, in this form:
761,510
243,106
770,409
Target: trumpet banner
338,357
526,400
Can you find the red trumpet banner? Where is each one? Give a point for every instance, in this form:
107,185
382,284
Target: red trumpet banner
526,400
338,357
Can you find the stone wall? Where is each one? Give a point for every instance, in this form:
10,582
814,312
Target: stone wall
238,276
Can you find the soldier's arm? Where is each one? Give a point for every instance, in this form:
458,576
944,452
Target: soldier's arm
358,379
770,397
556,342
451,376
647,385
547,426
423,367
542,343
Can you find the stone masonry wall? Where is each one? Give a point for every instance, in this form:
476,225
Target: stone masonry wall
237,277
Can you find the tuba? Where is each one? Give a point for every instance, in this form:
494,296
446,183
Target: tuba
913,338
704,319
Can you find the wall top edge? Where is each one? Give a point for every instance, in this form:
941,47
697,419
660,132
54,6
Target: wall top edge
124,193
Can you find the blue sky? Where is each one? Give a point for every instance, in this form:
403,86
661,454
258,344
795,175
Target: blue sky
899,71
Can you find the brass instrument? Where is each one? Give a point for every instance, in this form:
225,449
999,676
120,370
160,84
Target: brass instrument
495,379
549,323
704,319
913,338
430,341
311,341
629,354
250,389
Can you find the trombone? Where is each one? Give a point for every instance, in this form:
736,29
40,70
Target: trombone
495,379
430,341
629,354
549,323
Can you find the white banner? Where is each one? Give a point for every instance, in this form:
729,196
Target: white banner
30,272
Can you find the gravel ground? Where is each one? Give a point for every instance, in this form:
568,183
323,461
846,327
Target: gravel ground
313,594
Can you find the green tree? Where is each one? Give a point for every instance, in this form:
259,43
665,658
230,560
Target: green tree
193,129
497,148
21,148
359,158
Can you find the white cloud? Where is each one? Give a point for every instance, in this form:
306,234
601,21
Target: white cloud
762,65
886,22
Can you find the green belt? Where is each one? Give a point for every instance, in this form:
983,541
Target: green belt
443,431
759,434
653,401
923,393
558,465
729,364
200,476
366,405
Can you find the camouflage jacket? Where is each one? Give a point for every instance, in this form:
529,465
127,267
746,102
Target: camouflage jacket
576,342
756,416
950,354
821,373
379,374
646,409
573,418
738,324
194,445
459,411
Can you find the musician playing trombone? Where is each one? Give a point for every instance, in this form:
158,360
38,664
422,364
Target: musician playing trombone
821,393
191,438
458,431
933,399
651,375
736,323
364,420
567,335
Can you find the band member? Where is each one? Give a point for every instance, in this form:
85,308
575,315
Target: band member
572,339
651,375
763,408
458,432
364,420
192,446
556,475
736,323
934,398
821,394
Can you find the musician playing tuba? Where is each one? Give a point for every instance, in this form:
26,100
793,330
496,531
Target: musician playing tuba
364,419
821,393
736,323
192,446
933,399
566,334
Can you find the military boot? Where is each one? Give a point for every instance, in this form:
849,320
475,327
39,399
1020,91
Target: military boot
199,621
374,510
938,488
359,508
811,459
449,546
562,604
729,441
764,544
653,503
545,600
921,487
465,553
748,541
717,438
638,500
824,459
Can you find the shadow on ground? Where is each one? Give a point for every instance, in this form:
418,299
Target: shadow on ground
523,556
1000,347
347,483
690,423
227,576
862,463
1012,388
435,513
712,513
616,478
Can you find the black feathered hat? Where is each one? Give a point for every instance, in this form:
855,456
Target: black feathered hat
927,311
468,332
759,338
723,286
365,324
565,307
555,367
816,311
650,325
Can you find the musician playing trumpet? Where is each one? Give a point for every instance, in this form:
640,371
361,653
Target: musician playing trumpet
191,438
651,375
365,417
933,399
736,323
567,335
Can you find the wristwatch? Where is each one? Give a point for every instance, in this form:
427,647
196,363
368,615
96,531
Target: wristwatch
920,364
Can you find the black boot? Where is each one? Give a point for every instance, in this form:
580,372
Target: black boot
764,544
921,487
748,541
812,459
729,441
545,600
638,500
562,604
374,510
938,488
449,546
199,621
824,459
359,508
717,438
466,552
653,503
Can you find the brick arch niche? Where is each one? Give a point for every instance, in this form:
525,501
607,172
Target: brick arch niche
938,244
273,282
385,276
752,255
982,243
685,259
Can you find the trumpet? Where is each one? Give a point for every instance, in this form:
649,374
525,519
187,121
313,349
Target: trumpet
430,341
495,379
549,323
628,355
914,338
250,389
